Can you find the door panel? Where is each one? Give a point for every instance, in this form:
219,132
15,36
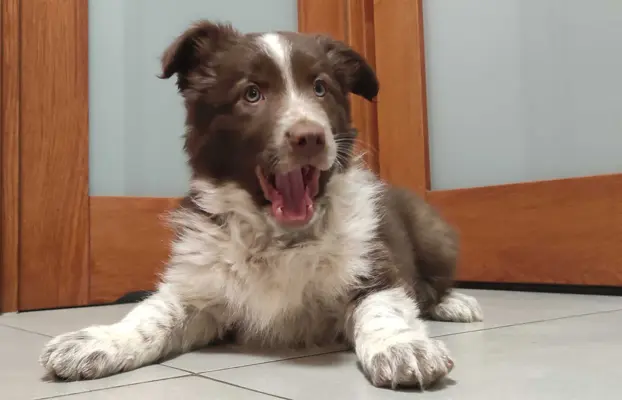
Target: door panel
136,121
529,86
566,231
518,91
129,244
401,103
9,155
53,178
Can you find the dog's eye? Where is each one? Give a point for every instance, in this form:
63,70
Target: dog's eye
253,94
319,88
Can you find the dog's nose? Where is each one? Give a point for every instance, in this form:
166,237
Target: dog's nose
307,139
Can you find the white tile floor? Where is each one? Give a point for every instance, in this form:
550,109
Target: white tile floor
530,347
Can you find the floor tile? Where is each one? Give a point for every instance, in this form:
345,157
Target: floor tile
223,357
21,377
571,358
500,309
56,322
503,308
188,388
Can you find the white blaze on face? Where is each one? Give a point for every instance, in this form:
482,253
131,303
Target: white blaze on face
297,106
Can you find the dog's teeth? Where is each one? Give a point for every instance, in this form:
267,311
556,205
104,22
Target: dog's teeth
279,211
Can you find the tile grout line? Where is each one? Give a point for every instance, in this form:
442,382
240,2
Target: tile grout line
4,325
528,323
273,361
112,387
242,387
435,336
175,368
187,374
198,374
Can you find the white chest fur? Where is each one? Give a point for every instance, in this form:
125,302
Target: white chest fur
276,286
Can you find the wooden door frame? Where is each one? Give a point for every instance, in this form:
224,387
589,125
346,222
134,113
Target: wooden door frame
9,154
45,202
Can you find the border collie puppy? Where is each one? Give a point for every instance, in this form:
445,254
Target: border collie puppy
284,239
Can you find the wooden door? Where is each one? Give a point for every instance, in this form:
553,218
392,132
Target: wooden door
558,231
61,246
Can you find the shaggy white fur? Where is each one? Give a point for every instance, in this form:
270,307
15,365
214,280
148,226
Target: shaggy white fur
242,273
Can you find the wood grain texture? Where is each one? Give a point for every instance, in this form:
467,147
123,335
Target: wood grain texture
564,232
9,155
129,244
323,16
54,154
402,112
360,18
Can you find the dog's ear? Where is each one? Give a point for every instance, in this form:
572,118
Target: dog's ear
351,68
196,45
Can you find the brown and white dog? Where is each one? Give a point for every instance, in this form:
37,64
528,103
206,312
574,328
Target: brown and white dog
284,238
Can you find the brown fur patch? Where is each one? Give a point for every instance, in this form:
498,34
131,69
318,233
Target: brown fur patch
226,139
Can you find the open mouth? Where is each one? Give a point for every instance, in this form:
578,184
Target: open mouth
291,194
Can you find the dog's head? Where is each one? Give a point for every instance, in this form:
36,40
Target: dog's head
269,112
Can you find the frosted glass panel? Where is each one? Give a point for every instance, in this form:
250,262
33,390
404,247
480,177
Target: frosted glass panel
522,90
137,120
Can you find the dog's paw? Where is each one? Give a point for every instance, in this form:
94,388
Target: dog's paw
86,354
419,363
457,307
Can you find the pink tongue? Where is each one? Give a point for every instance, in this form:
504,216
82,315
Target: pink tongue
291,186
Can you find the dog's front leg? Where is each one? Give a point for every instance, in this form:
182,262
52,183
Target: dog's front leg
159,326
391,341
